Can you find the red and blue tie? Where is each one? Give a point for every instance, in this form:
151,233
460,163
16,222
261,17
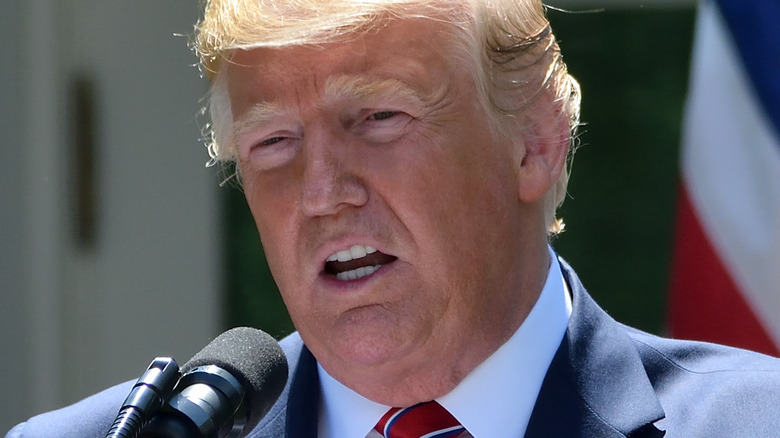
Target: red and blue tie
425,420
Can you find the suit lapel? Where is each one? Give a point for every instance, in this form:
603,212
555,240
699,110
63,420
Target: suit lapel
596,385
303,403
295,413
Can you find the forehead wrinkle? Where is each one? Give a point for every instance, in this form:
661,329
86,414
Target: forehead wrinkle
355,87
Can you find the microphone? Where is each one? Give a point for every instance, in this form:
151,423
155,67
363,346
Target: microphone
225,389
148,394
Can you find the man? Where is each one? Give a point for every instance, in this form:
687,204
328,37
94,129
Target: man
403,161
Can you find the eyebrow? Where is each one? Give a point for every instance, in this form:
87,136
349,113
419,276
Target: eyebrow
257,114
336,89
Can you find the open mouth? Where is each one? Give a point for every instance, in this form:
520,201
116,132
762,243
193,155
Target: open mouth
356,262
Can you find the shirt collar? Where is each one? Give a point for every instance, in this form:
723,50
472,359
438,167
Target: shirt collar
496,398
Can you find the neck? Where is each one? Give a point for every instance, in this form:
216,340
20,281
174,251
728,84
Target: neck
421,379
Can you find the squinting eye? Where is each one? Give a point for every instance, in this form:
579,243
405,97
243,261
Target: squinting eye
271,141
382,115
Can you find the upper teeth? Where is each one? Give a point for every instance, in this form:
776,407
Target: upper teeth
355,252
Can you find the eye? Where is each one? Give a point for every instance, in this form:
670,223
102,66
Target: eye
271,141
267,149
382,115
382,126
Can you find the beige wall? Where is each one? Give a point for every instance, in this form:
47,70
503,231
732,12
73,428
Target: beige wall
76,318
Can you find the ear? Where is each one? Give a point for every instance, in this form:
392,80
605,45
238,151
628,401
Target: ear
541,146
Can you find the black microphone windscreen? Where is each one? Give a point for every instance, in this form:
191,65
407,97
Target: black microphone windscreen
255,359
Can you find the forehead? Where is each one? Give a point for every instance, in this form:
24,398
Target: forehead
413,52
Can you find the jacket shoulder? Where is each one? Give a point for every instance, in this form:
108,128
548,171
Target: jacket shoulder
94,415
711,390
90,417
632,383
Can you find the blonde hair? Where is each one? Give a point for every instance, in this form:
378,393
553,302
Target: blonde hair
515,58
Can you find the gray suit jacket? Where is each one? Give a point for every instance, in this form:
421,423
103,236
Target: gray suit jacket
606,380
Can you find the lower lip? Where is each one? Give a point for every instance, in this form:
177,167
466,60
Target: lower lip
332,282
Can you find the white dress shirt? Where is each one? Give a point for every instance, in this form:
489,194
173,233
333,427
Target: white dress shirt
495,400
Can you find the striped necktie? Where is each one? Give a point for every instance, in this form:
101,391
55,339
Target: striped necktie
425,420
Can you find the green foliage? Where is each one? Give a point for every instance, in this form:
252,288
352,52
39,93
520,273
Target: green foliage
252,296
633,69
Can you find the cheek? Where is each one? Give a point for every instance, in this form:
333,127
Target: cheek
272,211
270,196
464,224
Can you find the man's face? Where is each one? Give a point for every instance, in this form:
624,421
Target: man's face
387,207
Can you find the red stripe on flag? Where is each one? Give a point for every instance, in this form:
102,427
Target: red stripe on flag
705,303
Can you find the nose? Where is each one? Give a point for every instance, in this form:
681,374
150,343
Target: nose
330,182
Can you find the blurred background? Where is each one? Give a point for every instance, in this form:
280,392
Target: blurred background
119,245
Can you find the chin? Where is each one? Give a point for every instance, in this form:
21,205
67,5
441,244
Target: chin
359,355
367,350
